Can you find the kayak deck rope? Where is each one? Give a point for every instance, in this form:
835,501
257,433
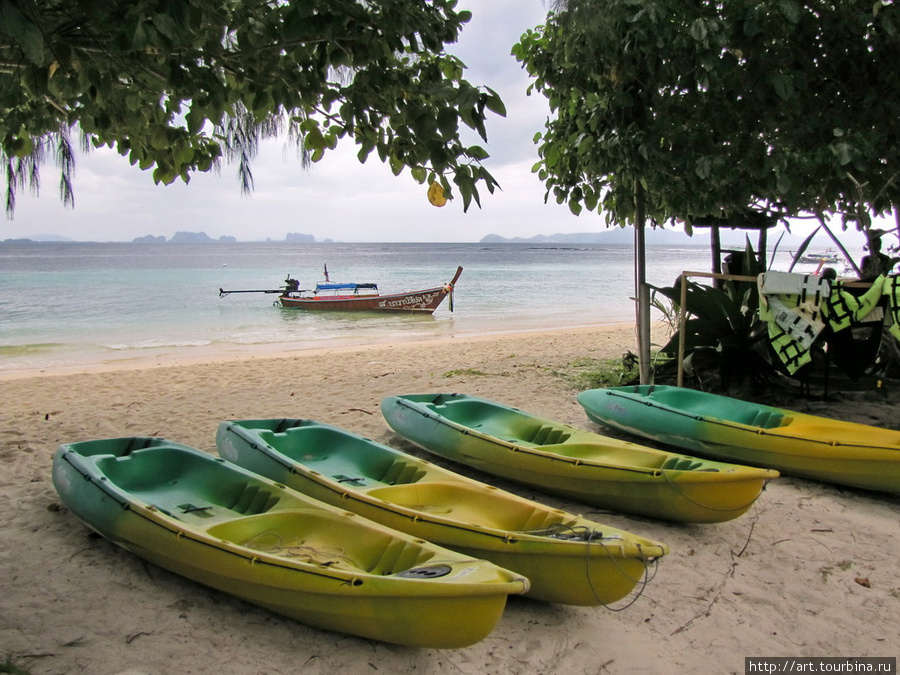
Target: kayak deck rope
640,583
681,492
591,535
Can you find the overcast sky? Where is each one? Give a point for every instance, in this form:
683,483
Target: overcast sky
338,198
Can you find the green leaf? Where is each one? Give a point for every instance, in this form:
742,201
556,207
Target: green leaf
419,174
477,152
698,30
494,103
783,84
790,9
575,207
314,139
844,153
163,176
365,150
14,24
448,122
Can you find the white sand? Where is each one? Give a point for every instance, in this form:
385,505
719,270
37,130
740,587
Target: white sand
811,570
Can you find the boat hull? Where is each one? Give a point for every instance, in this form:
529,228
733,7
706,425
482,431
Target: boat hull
413,302
567,559
794,443
418,302
560,459
225,527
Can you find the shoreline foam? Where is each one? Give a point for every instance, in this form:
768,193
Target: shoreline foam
219,353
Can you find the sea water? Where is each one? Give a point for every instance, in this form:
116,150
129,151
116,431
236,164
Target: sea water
76,304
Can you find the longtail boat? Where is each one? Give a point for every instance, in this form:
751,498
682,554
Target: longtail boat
568,559
216,523
560,459
358,297
794,443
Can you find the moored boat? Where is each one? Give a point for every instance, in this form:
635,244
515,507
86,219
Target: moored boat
577,464
567,558
828,257
358,297
221,525
794,443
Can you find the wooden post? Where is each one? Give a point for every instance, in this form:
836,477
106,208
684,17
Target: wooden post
642,295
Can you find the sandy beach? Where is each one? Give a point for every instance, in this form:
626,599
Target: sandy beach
810,571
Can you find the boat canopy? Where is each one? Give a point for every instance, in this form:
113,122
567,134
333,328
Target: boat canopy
344,287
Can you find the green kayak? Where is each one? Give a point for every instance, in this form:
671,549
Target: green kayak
568,559
584,466
223,526
732,430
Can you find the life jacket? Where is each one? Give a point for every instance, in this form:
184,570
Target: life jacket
842,308
891,288
798,307
791,305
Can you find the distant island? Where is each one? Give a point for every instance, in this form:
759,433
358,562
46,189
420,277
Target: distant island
296,238
40,239
197,238
617,235
177,238
625,235
203,238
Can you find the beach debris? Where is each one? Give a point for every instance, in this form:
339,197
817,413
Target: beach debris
863,581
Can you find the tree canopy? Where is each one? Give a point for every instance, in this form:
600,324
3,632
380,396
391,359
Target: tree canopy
178,85
720,110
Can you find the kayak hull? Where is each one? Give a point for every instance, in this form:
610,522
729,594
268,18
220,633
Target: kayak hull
568,559
729,429
225,527
583,466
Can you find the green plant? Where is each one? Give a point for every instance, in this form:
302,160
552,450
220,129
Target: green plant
589,373
723,334
464,372
9,667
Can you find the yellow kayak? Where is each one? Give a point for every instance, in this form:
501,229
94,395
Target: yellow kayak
216,523
795,443
567,558
584,466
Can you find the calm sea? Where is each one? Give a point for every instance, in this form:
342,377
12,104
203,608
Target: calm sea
74,304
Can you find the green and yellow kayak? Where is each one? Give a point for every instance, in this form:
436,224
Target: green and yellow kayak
560,459
567,559
794,443
221,525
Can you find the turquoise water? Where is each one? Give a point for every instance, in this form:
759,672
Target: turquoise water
65,304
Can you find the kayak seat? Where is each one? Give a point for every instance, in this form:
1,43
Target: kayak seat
252,500
682,463
322,539
543,519
769,419
397,556
245,500
345,459
468,504
172,479
546,435
401,472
